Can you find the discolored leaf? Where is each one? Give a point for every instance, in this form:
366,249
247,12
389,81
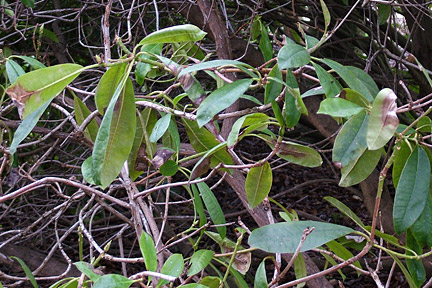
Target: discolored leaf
285,237
293,56
354,97
273,88
107,86
213,207
161,156
148,251
258,184
338,107
383,120
179,33
412,191
199,260
173,266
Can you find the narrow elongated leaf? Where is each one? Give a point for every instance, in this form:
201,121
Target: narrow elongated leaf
34,89
173,266
116,135
341,251
300,269
330,85
345,210
194,285
338,107
160,128
292,113
13,70
326,14
213,207
29,3
199,260
286,236
107,86
210,65
422,228
402,153
273,88
260,276
138,146
383,119
293,56
87,270
81,113
32,61
174,34
405,271
365,78
264,44
27,271
357,171
220,99
415,267
199,207
113,281
258,184
142,68
148,251
412,191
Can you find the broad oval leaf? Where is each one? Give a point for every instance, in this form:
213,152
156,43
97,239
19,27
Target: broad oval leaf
273,88
358,170
285,237
213,207
293,56
169,168
107,86
174,34
173,266
412,190
383,120
338,107
199,260
220,99
160,128
258,184
113,281
148,251
329,84
87,170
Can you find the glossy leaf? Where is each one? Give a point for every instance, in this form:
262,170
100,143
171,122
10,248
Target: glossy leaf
81,113
174,34
357,171
286,236
273,88
26,270
173,266
260,280
213,207
13,70
116,135
199,260
293,56
113,281
345,210
258,184
338,107
383,120
329,84
34,89
412,191
107,86
148,251
160,128
220,99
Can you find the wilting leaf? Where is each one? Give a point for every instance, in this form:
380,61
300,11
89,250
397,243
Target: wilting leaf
173,266
220,99
174,34
161,156
330,85
107,86
199,260
116,135
13,70
358,170
213,208
383,120
412,191
293,56
338,107
148,251
285,237
273,88
258,184
81,113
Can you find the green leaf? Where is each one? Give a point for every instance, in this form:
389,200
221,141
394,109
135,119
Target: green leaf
81,113
342,252
422,228
273,88
406,273
29,3
13,70
137,147
87,170
359,170
27,126
415,267
34,89
338,107
402,153
265,45
310,41
285,237
87,270
345,210
148,251
258,184
384,11
292,114
383,120
326,14
221,99
174,34
293,56
160,128
194,285
213,208
26,270
350,78
116,135
412,191
354,97
31,61
169,168
107,86
199,260
173,266
300,269
260,276
367,80
199,207
210,65
113,281
142,69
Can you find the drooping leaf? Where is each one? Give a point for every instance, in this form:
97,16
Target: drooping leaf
199,207
258,184
179,33
27,271
13,70
160,128
405,271
412,191
213,207
285,237
383,120
341,251
415,267
173,266
260,276
137,148
273,88
293,56
330,85
199,260
338,107
116,135
113,281
357,171
220,99
148,251
34,89
107,86
81,113
345,210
